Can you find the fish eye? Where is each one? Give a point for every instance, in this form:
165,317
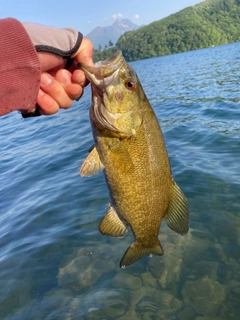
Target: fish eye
130,85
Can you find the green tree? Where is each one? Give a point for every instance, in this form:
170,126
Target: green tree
211,22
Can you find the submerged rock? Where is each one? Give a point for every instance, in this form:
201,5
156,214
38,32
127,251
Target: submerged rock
204,295
105,304
78,273
15,296
127,281
84,267
187,313
148,279
152,303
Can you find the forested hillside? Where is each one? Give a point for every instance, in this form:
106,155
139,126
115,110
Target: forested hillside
210,23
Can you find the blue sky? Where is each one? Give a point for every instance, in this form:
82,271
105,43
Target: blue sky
85,15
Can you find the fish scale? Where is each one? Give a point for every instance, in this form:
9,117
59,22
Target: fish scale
130,149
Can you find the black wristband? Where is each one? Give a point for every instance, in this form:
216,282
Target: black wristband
35,113
59,52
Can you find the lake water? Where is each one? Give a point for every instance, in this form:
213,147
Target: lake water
54,263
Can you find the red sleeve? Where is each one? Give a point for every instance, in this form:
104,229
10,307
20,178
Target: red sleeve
20,68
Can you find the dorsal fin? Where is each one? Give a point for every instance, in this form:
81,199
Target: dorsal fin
177,216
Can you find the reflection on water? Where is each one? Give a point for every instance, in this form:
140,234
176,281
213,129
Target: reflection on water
54,262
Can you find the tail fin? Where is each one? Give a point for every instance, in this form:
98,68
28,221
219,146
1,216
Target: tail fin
137,251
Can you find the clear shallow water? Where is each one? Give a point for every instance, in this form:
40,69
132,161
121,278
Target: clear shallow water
54,264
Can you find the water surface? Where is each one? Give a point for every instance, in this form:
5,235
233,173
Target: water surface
54,264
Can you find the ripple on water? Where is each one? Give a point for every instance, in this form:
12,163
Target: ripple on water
54,262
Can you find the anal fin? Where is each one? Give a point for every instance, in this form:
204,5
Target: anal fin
92,164
112,225
177,216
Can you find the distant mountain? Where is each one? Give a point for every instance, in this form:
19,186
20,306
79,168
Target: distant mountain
101,36
209,23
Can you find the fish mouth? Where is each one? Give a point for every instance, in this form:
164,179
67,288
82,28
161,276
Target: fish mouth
104,72
104,77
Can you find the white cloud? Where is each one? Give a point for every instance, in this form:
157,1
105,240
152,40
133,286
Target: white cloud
136,16
117,16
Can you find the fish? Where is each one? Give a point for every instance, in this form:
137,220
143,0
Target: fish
129,148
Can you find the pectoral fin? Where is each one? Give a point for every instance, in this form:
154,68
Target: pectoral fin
137,251
177,217
112,225
92,164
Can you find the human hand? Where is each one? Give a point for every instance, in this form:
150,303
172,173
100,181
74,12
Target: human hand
59,87
55,48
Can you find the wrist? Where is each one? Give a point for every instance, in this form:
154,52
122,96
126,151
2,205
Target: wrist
61,42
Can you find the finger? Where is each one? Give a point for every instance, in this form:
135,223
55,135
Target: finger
79,77
49,60
47,105
85,52
73,90
55,90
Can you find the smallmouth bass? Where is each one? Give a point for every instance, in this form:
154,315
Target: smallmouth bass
130,149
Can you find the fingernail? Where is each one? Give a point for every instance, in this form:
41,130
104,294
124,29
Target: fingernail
46,79
79,78
80,95
64,77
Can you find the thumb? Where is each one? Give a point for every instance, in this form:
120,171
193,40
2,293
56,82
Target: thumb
85,52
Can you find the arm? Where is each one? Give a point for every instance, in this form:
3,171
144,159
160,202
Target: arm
20,68
52,50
